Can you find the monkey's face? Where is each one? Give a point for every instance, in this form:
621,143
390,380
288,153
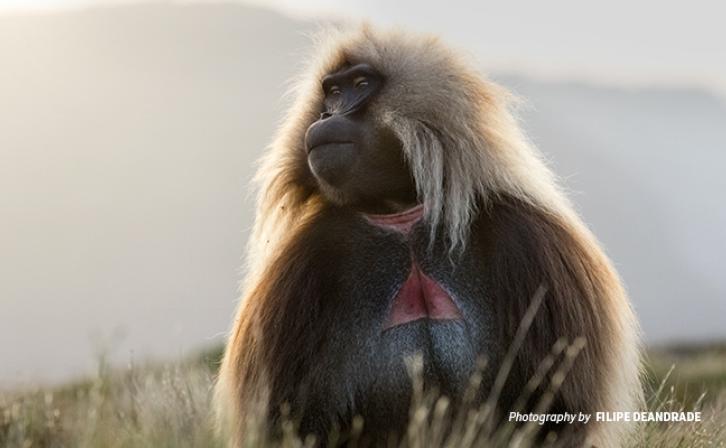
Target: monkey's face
354,159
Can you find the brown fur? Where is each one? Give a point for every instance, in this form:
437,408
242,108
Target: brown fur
468,158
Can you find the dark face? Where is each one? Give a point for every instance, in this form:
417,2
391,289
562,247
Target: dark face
355,160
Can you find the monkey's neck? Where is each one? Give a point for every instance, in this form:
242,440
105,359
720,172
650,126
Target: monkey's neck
386,207
402,221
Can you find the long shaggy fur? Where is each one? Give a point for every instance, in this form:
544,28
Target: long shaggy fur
466,150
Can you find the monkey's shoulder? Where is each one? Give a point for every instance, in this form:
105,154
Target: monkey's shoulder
509,224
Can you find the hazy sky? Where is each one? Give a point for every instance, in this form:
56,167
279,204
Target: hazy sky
648,42
126,140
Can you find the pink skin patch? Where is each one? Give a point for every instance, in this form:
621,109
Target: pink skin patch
420,297
400,222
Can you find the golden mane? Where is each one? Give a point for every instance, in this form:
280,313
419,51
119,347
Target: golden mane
465,148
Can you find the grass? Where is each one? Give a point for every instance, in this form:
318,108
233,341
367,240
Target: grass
145,406
168,405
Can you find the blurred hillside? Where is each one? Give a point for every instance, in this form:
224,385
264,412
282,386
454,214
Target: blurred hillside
128,134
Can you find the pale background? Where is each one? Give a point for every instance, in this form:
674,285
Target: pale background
128,133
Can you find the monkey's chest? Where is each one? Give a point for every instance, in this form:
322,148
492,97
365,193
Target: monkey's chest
419,296
403,305
390,302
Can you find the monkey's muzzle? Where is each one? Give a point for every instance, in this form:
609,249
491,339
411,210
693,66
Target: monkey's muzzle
332,148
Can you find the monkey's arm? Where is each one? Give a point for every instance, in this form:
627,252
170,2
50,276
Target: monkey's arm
282,322
584,301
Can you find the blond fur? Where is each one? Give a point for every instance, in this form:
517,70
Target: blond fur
464,147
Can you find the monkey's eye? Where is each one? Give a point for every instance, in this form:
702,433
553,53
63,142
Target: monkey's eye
334,90
360,82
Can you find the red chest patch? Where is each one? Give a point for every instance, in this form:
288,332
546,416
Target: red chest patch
420,297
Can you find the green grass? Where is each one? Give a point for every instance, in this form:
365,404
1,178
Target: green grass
695,370
168,405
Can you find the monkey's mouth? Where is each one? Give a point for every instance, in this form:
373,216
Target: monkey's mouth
421,297
330,144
